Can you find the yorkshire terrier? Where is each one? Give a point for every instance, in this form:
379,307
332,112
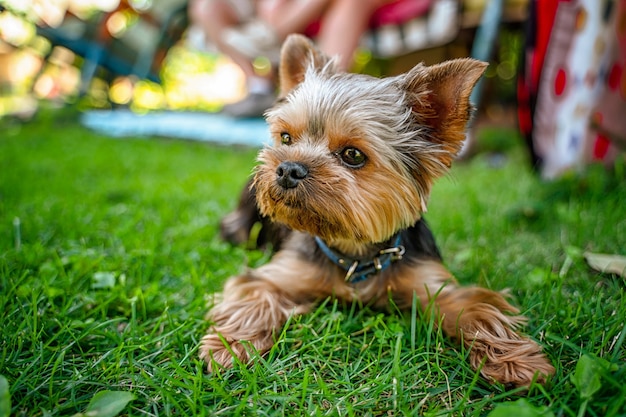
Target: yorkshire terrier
344,186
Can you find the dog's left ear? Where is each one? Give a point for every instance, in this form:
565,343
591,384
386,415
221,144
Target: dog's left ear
297,54
439,96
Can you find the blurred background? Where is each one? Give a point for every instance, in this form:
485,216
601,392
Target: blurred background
105,53
137,54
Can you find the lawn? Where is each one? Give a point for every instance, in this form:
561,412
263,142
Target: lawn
110,254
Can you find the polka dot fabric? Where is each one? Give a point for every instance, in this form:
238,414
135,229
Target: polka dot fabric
572,92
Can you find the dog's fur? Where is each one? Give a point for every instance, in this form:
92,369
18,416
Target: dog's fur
353,164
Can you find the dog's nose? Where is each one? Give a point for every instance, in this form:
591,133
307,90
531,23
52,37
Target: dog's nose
289,174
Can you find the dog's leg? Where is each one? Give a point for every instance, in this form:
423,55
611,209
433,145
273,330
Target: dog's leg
236,226
252,310
482,319
257,304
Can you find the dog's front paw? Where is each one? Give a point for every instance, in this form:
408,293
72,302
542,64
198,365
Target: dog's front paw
215,350
221,351
245,320
511,362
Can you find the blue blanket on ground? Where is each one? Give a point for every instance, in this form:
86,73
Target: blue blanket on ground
208,127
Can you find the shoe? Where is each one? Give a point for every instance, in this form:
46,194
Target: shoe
254,39
254,105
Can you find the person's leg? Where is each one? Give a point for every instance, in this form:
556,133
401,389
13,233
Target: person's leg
294,16
343,24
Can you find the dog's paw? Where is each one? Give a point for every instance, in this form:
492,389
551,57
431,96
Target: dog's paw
217,351
222,351
515,363
235,227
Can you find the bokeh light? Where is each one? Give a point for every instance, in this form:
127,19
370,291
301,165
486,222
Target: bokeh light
15,30
121,91
190,80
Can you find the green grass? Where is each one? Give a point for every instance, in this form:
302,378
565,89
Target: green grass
104,285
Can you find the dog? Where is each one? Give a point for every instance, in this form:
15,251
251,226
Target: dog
345,185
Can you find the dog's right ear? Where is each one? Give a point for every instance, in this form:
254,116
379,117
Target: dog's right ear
297,54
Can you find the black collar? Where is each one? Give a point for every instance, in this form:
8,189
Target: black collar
358,270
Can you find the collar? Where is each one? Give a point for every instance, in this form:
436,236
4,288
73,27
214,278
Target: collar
358,270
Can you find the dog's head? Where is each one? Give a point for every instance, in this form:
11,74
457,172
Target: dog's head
354,157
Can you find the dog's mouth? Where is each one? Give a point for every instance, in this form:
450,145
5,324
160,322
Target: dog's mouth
289,198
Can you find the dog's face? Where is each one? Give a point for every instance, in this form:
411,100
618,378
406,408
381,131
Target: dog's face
354,156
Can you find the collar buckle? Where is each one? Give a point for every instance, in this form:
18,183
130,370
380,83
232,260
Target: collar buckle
397,252
360,270
351,271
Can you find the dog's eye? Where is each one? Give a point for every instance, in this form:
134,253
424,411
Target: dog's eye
285,138
353,157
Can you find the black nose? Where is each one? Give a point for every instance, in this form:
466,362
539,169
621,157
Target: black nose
289,174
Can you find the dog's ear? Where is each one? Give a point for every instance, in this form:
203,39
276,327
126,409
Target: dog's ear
297,54
439,96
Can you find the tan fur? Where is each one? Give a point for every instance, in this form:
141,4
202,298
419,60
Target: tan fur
410,128
481,319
